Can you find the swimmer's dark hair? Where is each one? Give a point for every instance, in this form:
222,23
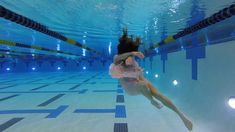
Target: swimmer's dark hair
128,46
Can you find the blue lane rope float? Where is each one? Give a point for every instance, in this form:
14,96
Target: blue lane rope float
24,21
213,19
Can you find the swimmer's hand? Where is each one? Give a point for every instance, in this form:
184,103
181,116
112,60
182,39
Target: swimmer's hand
138,54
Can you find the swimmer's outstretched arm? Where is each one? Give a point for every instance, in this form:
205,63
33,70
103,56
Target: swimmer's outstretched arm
118,58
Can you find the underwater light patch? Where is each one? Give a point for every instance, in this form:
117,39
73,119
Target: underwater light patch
156,75
175,82
231,102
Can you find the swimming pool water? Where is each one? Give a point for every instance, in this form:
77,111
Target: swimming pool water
43,89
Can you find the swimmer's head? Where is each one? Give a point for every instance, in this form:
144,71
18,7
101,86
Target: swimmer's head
128,47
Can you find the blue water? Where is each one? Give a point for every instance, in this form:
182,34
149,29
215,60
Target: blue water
44,91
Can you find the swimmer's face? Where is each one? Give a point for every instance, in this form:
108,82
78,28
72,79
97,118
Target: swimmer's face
129,60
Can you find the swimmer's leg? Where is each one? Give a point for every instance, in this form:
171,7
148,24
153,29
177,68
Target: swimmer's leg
147,93
169,104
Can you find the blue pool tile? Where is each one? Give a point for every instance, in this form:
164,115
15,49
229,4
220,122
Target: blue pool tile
51,100
40,87
86,80
9,123
49,77
57,111
74,87
119,90
108,82
9,97
9,81
104,90
35,80
120,111
120,99
83,91
94,111
8,86
120,127
60,81
53,113
71,77
80,91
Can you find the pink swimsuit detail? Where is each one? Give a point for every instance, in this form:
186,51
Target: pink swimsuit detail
128,76
121,71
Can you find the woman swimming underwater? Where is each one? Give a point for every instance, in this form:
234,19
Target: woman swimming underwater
130,75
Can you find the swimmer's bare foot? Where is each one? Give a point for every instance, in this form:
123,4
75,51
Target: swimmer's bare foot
187,123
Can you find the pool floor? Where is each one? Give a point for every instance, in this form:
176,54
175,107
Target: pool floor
77,102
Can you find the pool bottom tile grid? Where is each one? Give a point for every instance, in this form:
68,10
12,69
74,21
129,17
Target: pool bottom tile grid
72,102
77,102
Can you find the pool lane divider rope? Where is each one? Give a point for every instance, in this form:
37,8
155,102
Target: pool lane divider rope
213,19
12,53
11,43
16,53
26,22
